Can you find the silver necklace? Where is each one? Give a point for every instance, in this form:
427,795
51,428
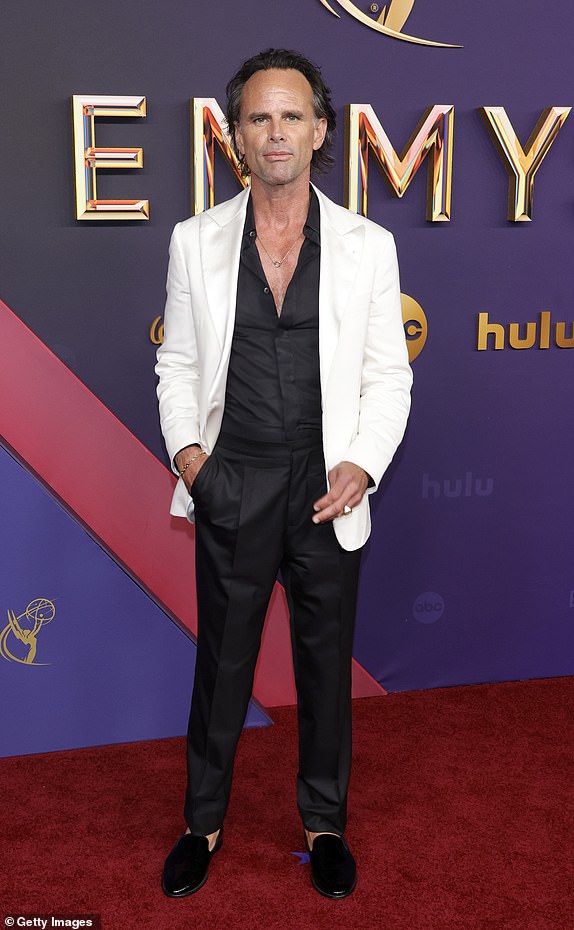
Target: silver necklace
275,261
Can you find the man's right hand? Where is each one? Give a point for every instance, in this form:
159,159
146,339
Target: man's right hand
191,471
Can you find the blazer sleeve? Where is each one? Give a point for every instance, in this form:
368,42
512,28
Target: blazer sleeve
386,376
177,360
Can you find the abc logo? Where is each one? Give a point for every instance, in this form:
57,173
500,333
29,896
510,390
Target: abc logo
416,326
428,607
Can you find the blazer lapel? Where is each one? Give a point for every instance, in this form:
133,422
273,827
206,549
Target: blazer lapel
342,240
220,243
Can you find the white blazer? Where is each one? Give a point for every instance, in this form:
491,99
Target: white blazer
365,374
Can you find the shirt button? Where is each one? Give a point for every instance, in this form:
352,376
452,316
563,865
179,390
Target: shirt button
252,234
265,290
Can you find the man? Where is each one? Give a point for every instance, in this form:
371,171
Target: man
283,391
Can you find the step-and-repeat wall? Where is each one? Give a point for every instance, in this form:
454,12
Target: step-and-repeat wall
454,132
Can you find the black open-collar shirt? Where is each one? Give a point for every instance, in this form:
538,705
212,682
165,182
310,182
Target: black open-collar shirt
273,388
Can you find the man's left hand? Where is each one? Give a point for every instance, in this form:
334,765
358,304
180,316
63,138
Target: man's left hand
347,484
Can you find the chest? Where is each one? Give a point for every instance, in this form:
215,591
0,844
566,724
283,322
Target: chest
292,303
279,268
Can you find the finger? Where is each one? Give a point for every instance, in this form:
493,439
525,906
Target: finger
332,510
337,486
325,501
349,490
332,495
335,507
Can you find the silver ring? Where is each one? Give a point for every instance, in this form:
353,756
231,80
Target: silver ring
347,510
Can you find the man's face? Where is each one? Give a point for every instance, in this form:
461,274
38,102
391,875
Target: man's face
277,131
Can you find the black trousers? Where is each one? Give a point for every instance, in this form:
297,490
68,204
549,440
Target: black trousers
253,510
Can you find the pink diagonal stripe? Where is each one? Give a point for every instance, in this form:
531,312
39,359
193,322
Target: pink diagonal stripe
120,492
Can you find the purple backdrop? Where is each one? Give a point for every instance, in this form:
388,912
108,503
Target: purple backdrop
110,666
468,576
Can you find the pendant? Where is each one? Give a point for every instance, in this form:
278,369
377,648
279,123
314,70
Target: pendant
277,264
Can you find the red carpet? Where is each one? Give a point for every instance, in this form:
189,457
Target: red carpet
461,818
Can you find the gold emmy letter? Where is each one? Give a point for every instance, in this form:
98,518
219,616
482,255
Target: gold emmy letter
88,158
207,128
522,164
434,135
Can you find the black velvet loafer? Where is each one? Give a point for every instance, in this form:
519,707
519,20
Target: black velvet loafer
333,869
186,867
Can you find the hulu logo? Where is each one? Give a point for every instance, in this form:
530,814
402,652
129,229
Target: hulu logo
468,486
538,334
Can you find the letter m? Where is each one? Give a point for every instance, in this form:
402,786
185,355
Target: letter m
433,137
208,128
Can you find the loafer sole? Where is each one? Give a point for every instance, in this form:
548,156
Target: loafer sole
334,897
187,891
